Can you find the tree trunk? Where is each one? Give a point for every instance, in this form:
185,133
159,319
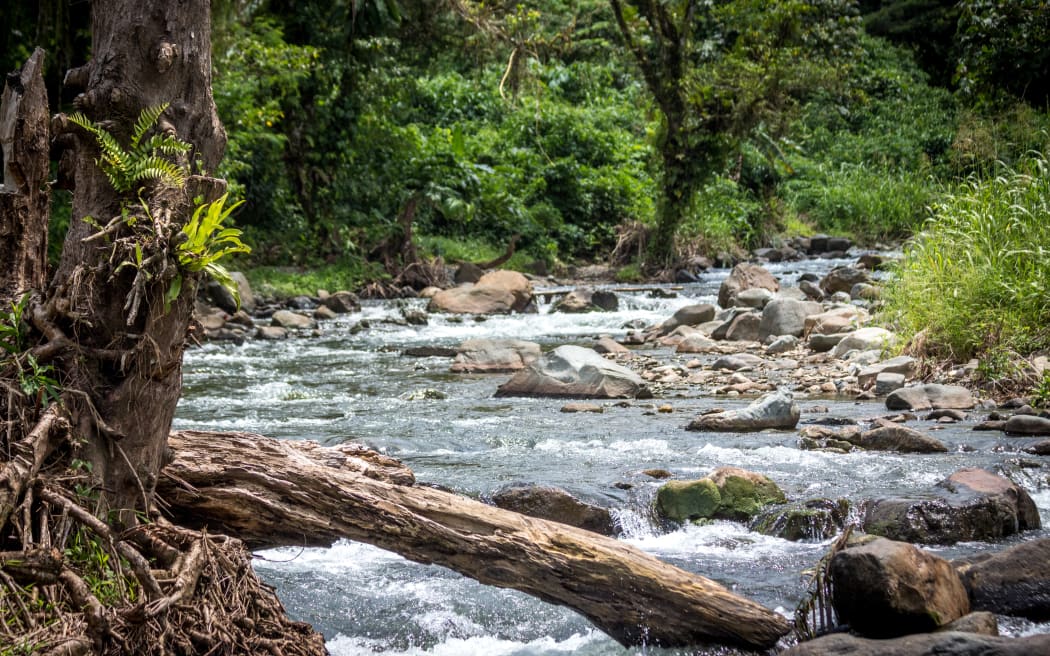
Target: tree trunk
122,370
25,199
270,492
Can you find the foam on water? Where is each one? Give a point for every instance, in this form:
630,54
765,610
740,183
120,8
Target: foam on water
482,645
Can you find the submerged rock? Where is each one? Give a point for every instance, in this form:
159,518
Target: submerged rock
971,504
897,438
775,410
727,493
577,372
556,505
885,589
815,520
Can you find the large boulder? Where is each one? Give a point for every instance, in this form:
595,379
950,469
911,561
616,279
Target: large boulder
1015,581
774,410
496,292
971,504
577,372
786,316
494,356
1027,425
923,644
583,300
556,505
741,327
885,589
727,493
842,279
931,396
745,276
864,339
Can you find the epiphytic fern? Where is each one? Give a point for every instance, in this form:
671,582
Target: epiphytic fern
144,159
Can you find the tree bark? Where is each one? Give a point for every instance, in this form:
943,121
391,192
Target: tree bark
122,373
269,492
25,198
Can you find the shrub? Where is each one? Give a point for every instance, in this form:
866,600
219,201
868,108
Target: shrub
976,280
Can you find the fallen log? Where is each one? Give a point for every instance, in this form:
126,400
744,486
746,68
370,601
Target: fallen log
270,492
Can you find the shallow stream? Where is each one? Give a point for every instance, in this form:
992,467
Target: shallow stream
358,387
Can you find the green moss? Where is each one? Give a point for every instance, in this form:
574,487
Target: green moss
743,498
685,500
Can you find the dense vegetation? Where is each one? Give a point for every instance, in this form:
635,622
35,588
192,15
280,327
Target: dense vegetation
636,132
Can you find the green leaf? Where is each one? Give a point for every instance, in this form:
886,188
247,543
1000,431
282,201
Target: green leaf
174,289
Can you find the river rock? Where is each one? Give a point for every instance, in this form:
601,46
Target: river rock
898,438
786,316
836,320
971,504
690,315
902,364
430,352
775,410
271,333
737,361
864,339
494,356
1027,425
756,298
863,291
814,520
886,383
292,320
223,298
812,290
924,644
696,343
931,396
824,343
586,300
782,344
496,292
572,408
745,276
1015,581
577,372
743,327
885,589
342,302
842,279
979,621
468,272
727,493
610,345
556,505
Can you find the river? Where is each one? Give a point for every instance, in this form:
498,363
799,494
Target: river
347,386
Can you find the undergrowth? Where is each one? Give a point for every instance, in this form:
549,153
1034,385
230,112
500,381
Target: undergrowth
976,281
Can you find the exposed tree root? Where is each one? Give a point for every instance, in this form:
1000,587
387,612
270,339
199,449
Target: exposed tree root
189,593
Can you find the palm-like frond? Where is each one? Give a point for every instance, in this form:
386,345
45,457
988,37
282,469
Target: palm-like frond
146,120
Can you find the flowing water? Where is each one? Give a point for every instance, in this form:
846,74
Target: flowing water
358,387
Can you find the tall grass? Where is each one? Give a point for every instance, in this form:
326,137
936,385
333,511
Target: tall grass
977,278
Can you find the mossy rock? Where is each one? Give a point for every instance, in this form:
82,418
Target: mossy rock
812,520
744,493
728,493
687,500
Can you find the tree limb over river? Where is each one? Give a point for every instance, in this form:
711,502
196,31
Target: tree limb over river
272,493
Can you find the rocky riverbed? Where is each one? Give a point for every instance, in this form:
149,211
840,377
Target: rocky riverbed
734,425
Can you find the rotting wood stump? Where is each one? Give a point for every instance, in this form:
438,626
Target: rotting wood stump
271,492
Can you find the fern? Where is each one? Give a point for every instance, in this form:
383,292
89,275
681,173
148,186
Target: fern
144,159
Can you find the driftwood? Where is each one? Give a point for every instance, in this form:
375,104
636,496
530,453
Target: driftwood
269,492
